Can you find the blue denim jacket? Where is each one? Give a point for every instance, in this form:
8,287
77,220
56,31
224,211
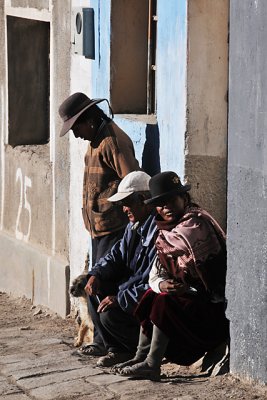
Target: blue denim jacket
129,263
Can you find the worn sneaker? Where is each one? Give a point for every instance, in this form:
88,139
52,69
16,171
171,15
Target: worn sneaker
113,358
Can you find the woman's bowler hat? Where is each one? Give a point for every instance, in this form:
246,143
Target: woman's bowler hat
73,107
163,186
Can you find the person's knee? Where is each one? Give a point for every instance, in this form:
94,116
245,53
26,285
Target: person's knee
92,308
161,301
107,318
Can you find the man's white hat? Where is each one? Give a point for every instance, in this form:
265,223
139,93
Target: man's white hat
136,181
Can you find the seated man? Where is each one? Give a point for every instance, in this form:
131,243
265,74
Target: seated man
117,281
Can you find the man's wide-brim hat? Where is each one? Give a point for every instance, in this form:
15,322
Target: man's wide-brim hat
73,107
165,185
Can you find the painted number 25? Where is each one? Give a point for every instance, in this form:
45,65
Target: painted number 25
23,204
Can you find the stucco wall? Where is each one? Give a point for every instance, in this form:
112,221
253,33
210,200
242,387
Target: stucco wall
3,115
34,240
39,5
247,189
207,85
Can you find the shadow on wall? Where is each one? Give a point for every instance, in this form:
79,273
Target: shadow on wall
150,158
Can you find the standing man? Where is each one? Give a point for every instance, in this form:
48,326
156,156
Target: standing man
110,156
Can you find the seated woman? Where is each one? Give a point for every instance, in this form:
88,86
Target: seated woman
182,316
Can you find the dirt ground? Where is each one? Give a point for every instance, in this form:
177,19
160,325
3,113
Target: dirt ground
19,312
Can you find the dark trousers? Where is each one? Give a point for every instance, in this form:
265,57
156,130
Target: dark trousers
118,331
100,247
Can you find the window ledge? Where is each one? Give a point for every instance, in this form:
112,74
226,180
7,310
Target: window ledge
150,119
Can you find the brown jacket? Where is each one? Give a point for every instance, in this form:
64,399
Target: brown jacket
110,156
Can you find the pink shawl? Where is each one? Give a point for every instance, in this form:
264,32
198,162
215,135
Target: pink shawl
185,248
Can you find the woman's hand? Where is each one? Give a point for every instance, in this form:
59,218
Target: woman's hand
92,286
171,286
106,303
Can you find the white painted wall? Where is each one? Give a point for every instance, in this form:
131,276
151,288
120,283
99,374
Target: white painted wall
80,81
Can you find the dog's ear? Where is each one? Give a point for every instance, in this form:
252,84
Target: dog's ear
80,279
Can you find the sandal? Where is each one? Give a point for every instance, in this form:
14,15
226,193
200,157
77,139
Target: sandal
91,350
118,367
141,371
113,358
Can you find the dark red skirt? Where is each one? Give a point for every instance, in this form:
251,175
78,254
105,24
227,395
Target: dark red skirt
193,324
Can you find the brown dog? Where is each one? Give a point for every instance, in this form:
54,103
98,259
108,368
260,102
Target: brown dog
86,327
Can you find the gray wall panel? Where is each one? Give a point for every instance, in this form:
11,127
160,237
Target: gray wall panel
247,189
